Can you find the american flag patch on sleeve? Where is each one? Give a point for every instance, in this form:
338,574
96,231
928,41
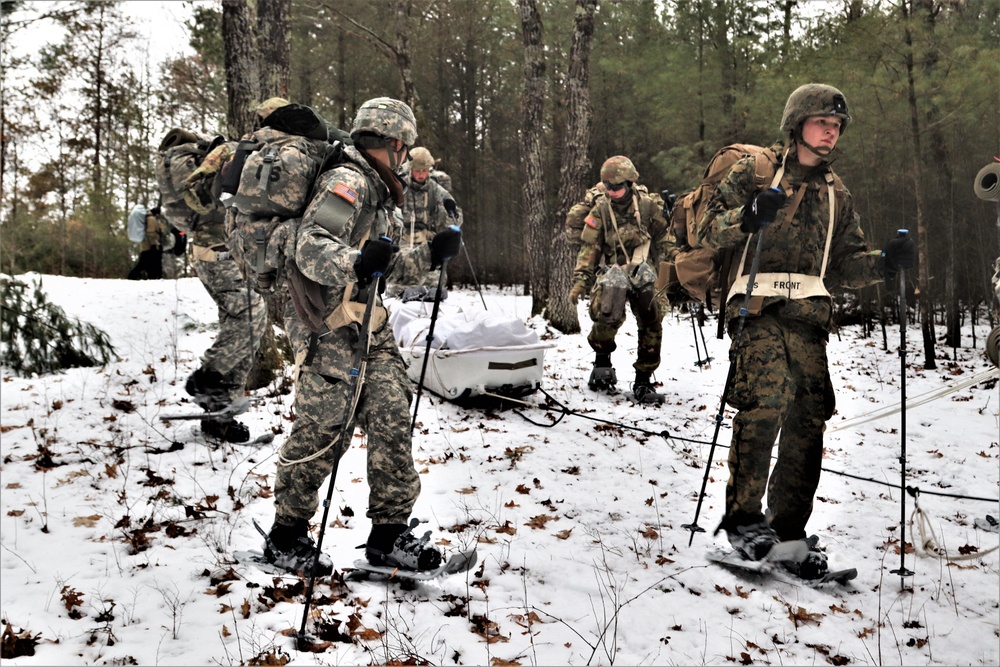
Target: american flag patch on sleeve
341,190
591,221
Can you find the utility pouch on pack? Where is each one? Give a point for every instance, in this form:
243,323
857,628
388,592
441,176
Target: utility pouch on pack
350,312
233,169
260,246
277,179
612,286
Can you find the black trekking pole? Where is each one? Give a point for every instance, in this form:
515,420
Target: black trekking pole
430,338
694,330
474,279
744,311
358,366
902,571
695,311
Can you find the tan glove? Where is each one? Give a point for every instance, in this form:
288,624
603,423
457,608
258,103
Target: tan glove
577,291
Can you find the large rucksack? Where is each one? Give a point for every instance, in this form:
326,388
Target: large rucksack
180,153
696,272
268,183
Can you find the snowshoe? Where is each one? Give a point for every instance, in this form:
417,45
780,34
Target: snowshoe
813,566
406,551
603,378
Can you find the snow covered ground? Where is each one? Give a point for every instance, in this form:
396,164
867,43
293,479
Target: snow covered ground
117,528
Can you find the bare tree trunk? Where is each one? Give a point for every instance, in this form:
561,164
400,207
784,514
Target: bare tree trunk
562,313
242,79
923,283
272,32
533,189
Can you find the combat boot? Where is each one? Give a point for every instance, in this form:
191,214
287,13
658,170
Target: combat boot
396,545
209,389
603,377
643,390
227,430
290,548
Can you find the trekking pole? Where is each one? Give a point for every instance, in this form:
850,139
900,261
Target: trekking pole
902,571
694,330
701,331
744,311
474,279
357,373
430,338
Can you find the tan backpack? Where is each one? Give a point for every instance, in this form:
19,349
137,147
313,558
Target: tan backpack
695,271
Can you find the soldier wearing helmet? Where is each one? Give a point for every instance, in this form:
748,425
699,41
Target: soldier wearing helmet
807,236
624,237
341,254
427,209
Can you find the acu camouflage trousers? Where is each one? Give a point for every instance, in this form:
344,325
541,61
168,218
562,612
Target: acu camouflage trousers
781,384
383,415
242,318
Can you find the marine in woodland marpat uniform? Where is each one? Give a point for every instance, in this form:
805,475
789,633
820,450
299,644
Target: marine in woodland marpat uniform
782,381
627,234
352,209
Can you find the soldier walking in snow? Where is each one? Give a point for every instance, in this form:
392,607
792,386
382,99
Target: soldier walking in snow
782,382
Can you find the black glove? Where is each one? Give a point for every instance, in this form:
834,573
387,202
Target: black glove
374,259
451,207
180,241
445,245
761,210
898,253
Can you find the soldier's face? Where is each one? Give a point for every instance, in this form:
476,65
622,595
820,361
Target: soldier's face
821,132
420,175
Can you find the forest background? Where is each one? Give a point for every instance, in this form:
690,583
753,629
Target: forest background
521,101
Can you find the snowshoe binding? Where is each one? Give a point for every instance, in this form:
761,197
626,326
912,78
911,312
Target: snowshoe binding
603,378
753,541
291,549
396,545
644,392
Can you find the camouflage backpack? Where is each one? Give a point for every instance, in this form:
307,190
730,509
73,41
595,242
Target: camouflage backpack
180,153
267,185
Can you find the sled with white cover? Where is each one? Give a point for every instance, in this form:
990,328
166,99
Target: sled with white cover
472,353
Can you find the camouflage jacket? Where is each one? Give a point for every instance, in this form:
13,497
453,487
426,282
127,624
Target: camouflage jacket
796,245
600,240
351,205
423,207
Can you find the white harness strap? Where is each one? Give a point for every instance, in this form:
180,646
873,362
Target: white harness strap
790,285
642,251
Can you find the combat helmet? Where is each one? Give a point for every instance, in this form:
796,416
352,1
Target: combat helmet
387,118
814,99
421,159
618,169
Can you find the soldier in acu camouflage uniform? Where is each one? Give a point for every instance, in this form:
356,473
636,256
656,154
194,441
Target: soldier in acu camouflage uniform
626,231
781,382
427,209
226,363
352,208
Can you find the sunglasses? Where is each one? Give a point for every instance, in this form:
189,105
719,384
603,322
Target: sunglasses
615,186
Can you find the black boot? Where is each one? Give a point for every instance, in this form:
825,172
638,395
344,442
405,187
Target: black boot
643,390
210,390
289,547
395,545
603,377
227,430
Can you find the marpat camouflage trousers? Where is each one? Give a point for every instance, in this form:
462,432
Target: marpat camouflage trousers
383,415
781,383
242,318
647,316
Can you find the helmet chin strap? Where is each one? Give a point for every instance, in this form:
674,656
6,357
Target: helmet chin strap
825,155
392,154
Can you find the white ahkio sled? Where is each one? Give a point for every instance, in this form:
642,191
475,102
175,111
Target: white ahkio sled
473,352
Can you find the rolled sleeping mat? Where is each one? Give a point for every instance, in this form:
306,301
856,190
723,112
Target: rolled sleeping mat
988,182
